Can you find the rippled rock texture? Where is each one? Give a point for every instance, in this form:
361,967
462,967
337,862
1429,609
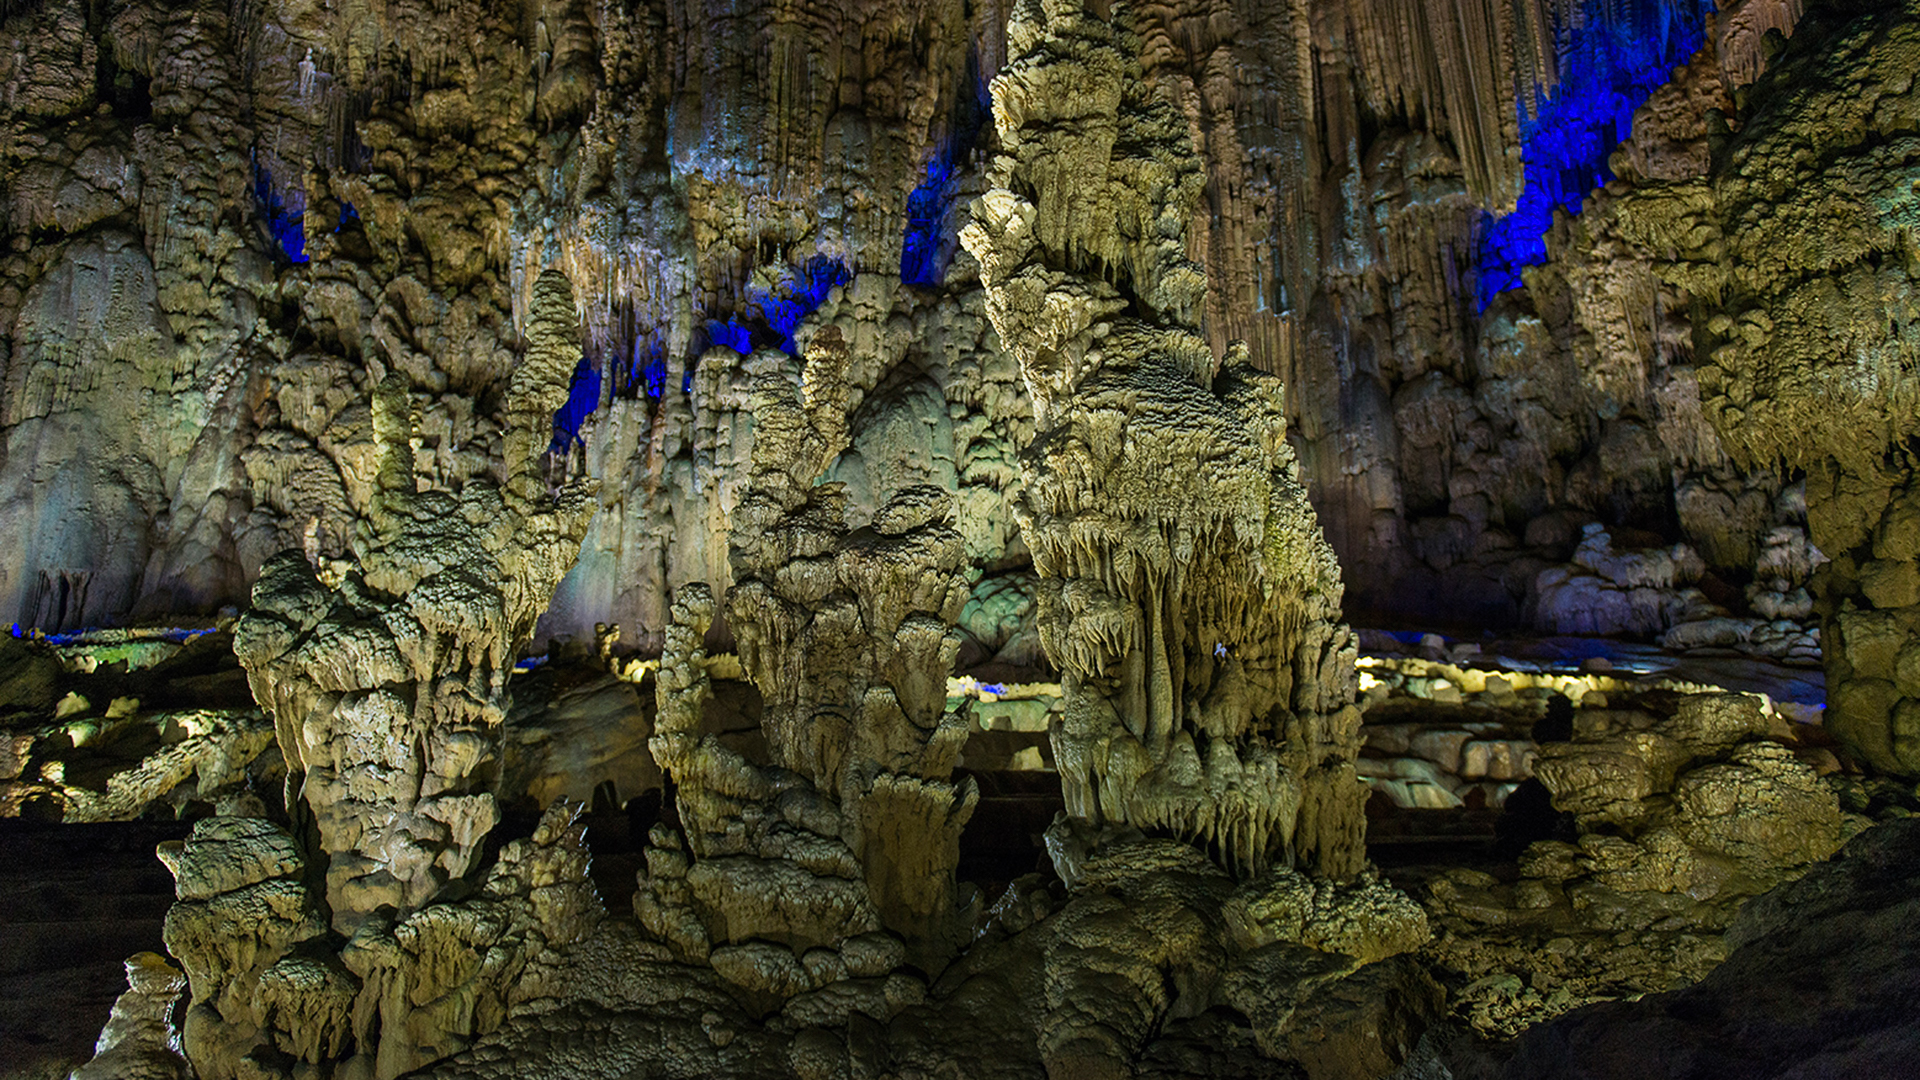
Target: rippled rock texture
414,324
1184,590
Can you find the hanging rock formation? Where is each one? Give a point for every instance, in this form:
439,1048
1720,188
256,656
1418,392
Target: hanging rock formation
1185,590
214,216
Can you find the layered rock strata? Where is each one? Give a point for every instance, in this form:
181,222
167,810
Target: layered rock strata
1184,588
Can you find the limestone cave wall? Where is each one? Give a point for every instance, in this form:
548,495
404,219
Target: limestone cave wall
228,222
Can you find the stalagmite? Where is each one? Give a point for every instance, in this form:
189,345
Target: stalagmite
388,693
851,826
1185,589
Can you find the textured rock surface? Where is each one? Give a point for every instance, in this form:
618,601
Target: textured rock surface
269,989
850,825
1800,242
217,219
313,278
1817,984
138,1041
1208,687
389,692
1678,813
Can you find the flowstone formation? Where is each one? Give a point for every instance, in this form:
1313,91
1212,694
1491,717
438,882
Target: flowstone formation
1803,239
831,861
1185,590
370,937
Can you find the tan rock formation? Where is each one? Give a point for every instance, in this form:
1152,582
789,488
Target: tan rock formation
851,824
1684,817
389,692
269,987
1801,237
138,1041
1185,590
677,168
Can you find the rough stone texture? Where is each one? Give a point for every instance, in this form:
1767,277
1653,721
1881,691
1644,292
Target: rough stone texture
1207,684
148,761
1679,817
850,824
138,1041
182,401
389,692
269,987
1800,243
1818,983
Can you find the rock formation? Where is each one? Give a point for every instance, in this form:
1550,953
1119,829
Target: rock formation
388,692
1680,812
1185,590
688,175
794,871
763,340
385,944
1800,246
272,993
1848,924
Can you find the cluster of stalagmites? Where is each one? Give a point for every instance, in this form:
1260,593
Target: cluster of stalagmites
1212,847
388,694
1184,589
829,862
389,691
272,991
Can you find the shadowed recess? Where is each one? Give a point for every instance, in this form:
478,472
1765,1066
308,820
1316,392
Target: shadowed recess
927,204
286,222
768,320
583,397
